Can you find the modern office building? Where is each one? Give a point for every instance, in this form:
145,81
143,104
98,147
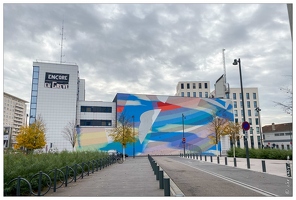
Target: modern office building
54,97
199,89
278,136
251,102
14,116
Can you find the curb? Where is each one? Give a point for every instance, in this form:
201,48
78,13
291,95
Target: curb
175,190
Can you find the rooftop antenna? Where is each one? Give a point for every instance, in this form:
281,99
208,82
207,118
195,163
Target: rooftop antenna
224,65
226,85
62,39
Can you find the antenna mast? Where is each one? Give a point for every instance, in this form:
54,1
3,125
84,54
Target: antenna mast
224,65
62,39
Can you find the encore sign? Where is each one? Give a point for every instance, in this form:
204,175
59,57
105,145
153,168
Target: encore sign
56,80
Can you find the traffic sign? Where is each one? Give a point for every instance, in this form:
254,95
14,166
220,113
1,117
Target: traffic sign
246,126
183,140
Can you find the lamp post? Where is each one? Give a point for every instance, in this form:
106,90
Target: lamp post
134,136
259,121
184,142
244,116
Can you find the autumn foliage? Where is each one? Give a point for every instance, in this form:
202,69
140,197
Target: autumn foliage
31,137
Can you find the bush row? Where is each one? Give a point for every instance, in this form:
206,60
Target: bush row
276,154
27,165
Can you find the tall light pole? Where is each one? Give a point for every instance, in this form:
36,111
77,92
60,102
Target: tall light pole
134,136
244,116
259,121
183,139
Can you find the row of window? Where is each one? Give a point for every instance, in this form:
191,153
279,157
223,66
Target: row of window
194,94
249,113
248,104
282,134
87,122
34,93
194,85
101,109
247,96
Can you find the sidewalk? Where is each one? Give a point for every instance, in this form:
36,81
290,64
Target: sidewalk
274,167
133,178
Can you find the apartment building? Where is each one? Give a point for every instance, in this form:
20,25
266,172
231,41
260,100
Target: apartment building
14,116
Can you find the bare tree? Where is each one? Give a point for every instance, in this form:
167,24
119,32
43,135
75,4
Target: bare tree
70,133
287,105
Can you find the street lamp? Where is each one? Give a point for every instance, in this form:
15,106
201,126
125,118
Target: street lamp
134,136
244,116
259,121
183,139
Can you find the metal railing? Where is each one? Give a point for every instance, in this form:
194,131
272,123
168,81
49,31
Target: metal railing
41,183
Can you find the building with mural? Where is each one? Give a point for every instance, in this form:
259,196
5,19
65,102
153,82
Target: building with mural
161,121
158,120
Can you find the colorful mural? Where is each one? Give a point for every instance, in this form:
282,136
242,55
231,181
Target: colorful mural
159,121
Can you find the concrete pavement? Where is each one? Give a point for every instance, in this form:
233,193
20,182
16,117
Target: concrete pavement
135,178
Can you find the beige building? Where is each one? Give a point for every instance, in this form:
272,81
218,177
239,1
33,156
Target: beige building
193,89
14,115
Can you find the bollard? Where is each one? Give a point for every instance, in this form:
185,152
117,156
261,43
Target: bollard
166,183
205,158
211,158
263,166
234,161
218,161
161,179
200,157
225,160
157,172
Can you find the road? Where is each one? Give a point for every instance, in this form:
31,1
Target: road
208,179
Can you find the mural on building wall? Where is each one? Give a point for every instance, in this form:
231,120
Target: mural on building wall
159,123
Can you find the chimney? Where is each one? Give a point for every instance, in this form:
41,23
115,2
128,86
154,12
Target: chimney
272,127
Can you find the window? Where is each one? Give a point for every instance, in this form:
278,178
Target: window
235,104
234,95
257,130
283,147
236,120
252,142
249,113
182,94
188,94
100,109
206,94
193,85
206,85
188,85
241,104
255,104
240,95
199,85
250,121
248,95
86,122
288,147
200,94
194,94
242,113
254,96
248,104
235,113
182,85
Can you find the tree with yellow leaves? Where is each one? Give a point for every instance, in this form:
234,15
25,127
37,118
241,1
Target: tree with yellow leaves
217,127
123,132
32,137
232,129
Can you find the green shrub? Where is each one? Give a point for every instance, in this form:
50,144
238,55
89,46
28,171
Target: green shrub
27,165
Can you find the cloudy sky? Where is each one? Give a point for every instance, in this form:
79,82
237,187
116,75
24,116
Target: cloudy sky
149,48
